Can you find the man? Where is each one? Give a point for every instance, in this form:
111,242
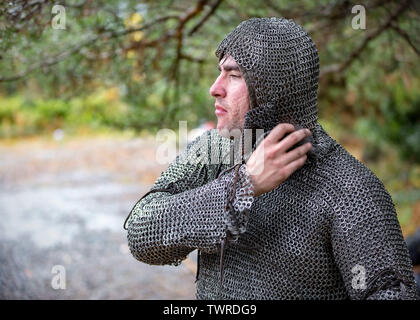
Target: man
290,219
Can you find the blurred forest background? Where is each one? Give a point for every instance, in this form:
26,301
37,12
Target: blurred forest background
123,69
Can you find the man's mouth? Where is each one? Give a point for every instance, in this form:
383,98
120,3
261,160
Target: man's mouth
220,110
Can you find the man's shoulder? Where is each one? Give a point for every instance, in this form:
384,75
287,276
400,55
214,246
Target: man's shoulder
210,140
341,175
352,183
351,170
210,136
207,147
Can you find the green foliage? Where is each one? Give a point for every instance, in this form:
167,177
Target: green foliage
375,91
403,129
399,121
20,116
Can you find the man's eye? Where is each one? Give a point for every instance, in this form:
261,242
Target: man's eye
235,76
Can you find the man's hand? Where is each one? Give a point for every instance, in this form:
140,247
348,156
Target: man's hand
270,165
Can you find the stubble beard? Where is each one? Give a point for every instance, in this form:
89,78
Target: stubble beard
231,129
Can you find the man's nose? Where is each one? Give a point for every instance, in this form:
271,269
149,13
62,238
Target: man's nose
217,89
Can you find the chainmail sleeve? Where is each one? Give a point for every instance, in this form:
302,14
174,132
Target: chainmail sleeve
190,209
367,241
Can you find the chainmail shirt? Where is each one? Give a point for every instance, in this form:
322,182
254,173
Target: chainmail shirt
330,231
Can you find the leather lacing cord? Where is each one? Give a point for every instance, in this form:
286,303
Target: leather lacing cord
398,278
227,208
216,176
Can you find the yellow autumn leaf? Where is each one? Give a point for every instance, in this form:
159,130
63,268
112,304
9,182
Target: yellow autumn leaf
134,20
137,36
137,77
112,94
130,54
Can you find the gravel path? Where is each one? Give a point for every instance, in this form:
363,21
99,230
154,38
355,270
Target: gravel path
63,204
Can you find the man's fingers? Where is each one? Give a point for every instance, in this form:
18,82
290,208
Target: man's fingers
294,165
279,131
296,153
292,139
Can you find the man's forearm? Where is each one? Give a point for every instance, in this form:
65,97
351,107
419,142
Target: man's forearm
165,227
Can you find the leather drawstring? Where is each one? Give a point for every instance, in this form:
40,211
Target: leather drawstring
198,265
228,207
219,167
224,243
222,253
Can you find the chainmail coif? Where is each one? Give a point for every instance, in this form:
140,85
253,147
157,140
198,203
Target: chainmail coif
330,231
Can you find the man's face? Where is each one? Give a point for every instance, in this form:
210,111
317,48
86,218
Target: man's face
231,93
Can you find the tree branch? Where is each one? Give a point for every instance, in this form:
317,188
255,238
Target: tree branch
90,41
179,34
205,17
49,61
370,36
192,59
406,37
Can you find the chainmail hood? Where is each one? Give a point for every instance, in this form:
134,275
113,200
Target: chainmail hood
280,65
